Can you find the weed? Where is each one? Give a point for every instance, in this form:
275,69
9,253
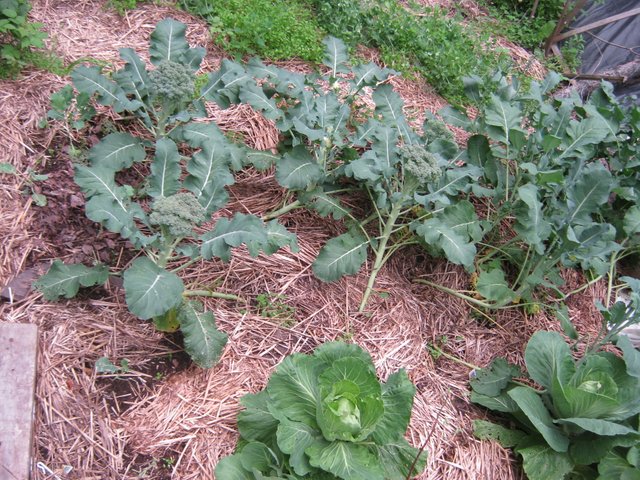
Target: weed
29,181
104,365
271,305
18,36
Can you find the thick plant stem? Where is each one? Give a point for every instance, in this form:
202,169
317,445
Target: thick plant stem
380,254
208,293
281,211
475,301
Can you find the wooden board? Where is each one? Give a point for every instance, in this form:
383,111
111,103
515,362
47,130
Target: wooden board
18,349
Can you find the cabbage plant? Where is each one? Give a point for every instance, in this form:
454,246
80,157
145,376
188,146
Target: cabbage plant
579,421
326,416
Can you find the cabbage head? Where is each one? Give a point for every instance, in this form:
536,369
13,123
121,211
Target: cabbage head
326,416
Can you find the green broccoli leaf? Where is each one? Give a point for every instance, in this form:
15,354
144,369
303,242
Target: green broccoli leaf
117,216
590,191
199,135
454,230
505,118
253,95
209,175
389,106
62,280
340,256
137,71
531,224
369,74
89,80
493,286
632,221
278,237
335,55
297,169
150,290
117,151
164,180
193,57
168,42
202,339
247,229
225,85
325,204
581,138
109,203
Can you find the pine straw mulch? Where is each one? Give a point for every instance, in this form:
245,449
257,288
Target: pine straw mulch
166,418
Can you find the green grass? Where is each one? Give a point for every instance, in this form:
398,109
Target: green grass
273,29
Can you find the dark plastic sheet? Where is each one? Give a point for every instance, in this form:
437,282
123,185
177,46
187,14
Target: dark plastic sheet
613,44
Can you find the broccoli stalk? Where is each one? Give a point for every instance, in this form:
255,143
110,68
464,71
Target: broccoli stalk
417,168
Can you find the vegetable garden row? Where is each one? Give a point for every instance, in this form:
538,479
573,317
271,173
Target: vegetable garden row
543,183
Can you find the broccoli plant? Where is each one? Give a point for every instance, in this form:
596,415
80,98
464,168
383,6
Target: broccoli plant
562,175
333,143
163,213
326,416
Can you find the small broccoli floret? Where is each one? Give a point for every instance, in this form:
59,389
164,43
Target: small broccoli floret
177,213
435,129
419,166
172,82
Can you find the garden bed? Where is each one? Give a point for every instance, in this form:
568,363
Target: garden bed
163,417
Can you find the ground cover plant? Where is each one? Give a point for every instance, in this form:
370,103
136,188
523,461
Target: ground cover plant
17,36
271,29
160,209
581,418
326,416
529,24
414,39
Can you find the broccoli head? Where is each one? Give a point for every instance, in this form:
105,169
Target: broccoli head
177,213
172,82
435,129
419,166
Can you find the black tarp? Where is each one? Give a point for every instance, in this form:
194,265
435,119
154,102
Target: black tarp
613,44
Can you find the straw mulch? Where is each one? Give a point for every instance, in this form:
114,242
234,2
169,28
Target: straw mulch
165,418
